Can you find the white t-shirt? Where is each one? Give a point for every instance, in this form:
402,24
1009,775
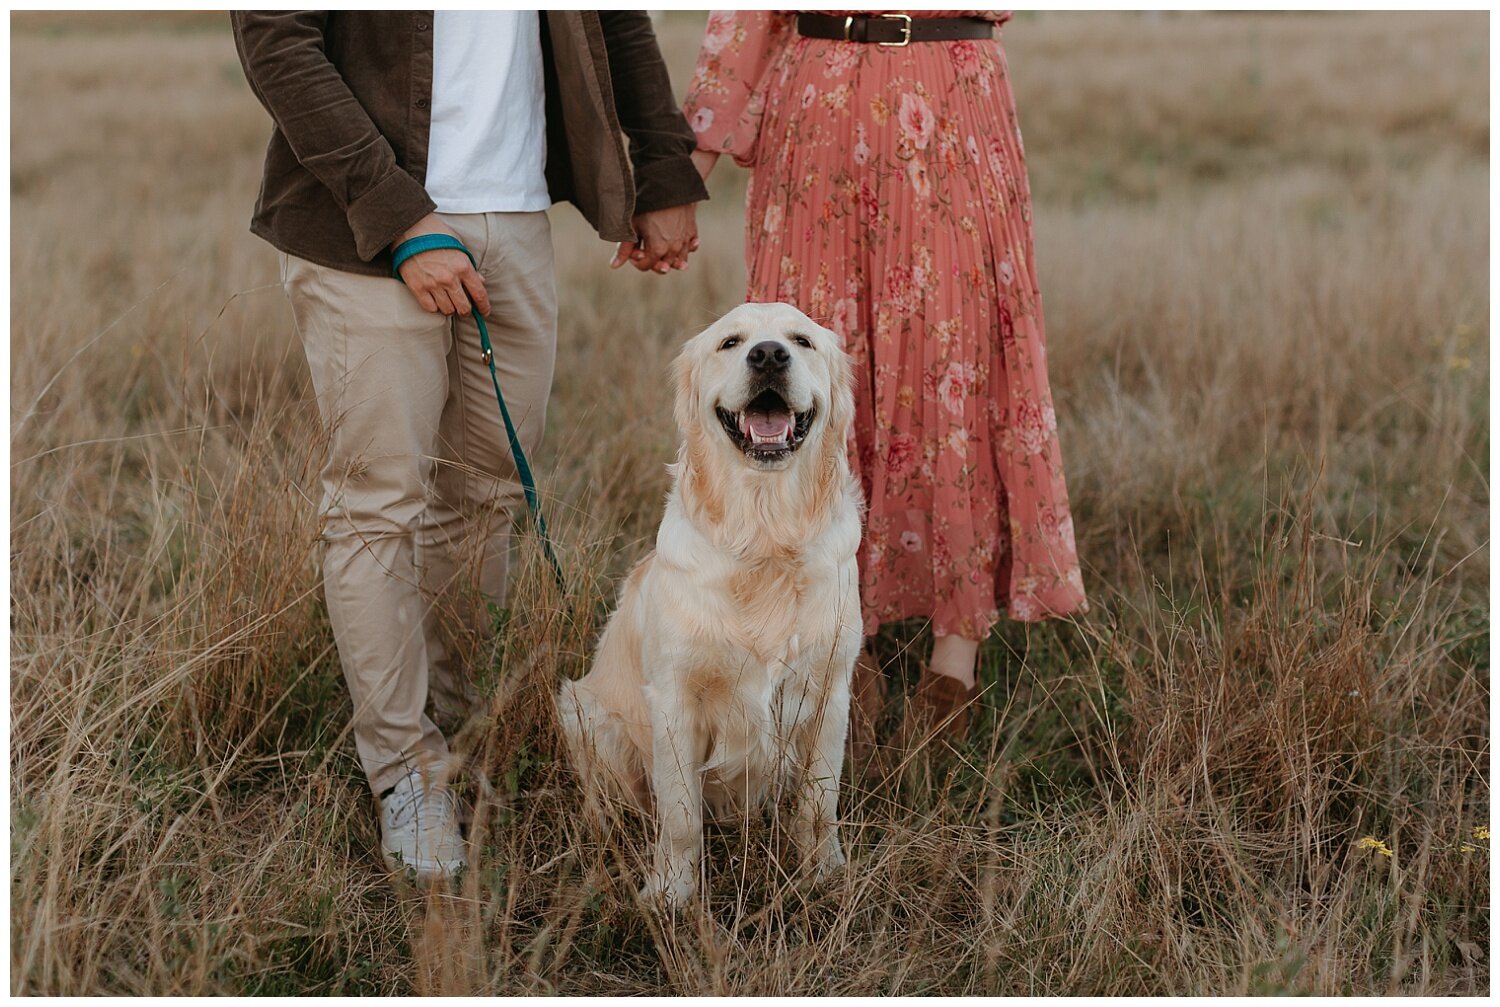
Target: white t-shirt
488,148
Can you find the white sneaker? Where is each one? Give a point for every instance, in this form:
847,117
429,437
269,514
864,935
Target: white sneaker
419,829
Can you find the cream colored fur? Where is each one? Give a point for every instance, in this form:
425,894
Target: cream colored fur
722,679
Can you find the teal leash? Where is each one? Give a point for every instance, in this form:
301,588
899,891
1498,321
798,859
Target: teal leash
426,243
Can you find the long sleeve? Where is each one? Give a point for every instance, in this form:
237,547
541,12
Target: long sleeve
727,96
328,130
660,143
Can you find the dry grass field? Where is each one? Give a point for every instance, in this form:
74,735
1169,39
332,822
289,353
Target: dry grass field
1260,764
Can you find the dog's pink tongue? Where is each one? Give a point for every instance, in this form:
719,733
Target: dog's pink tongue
770,426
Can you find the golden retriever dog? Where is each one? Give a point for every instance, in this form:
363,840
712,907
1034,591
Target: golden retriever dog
722,679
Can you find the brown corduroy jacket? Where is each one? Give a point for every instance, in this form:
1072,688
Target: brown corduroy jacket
350,93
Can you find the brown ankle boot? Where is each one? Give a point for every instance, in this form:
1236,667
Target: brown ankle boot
940,703
866,704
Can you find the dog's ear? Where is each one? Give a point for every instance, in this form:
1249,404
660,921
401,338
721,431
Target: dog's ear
841,367
685,389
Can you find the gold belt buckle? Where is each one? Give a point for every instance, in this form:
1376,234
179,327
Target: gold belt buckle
905,28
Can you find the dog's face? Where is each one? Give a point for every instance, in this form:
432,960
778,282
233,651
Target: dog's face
764,379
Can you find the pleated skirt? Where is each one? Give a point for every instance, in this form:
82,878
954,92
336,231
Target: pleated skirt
889,201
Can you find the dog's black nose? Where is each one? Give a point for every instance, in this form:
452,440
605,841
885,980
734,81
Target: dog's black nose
769,356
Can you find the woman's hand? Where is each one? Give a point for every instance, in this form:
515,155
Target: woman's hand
443,280
664,239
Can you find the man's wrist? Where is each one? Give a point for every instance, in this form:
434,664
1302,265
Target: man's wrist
429,224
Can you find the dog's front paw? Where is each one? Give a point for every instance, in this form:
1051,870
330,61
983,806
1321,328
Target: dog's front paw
667,893
828,858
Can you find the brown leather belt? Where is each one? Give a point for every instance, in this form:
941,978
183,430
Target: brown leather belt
893,29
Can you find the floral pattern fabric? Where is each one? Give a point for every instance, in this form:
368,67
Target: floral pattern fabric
889,201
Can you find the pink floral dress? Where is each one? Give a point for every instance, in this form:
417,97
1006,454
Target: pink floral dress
889,201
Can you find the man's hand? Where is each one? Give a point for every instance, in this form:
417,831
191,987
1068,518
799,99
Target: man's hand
664,240
443,279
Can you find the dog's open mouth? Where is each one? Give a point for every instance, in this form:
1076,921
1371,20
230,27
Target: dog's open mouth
767,429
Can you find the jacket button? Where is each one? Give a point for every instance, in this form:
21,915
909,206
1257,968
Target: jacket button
421,102
421,26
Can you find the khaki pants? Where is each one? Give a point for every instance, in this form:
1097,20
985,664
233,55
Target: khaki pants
419,483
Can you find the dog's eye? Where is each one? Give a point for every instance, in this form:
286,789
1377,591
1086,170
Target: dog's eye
730,343
803,342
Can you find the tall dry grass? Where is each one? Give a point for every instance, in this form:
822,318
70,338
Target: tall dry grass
1264,259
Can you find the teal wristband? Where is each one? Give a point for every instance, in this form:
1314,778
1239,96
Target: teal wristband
425,243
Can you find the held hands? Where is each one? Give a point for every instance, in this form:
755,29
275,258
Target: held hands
442,280
664,239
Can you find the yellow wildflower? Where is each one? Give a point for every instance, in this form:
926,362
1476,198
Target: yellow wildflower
1482,832
1371,843
1467,848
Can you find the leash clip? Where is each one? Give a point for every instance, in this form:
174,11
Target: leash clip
488,356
